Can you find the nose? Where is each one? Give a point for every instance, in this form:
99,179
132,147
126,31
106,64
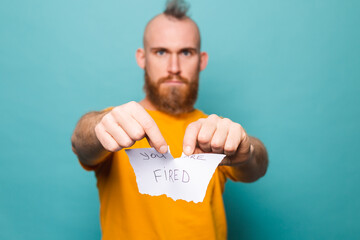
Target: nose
174,65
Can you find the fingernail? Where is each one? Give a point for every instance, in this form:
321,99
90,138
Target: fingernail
187,150
163,149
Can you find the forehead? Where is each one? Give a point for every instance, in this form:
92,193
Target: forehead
166,32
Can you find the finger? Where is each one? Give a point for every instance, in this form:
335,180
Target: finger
207,132
233,139
220,135
190,137
149,141
245,145
149,126
131,127
106,139
117,133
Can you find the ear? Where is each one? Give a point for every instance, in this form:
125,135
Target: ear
140,57
203,60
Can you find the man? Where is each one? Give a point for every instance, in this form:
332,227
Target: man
172,61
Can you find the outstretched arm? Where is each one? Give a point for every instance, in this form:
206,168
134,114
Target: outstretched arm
84,142
97,134
246,157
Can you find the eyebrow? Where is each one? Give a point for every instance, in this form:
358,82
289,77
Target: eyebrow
157,49
189,49
182,49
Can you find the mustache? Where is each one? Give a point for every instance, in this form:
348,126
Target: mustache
172,77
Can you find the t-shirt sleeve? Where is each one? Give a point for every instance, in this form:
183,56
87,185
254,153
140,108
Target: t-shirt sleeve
97,166
88,168
231,172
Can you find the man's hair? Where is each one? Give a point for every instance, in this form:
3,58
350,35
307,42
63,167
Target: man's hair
176,8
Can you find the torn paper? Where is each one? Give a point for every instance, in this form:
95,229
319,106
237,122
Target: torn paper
184,178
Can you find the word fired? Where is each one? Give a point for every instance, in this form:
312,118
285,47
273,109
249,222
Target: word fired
185,178
171,175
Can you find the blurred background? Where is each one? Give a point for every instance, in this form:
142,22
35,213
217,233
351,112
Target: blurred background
288,71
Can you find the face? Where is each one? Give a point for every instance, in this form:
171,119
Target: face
172,61
173,94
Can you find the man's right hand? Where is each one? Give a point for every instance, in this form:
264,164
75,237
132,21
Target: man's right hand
126,124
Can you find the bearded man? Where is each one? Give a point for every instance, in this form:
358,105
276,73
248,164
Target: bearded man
172,60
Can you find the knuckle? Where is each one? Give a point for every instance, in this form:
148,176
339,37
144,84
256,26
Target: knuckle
199,121
111,147
229,148
192,125
131,105
213,117
97,129
226,121
216,144
148,124
106,119
238,127
127,143
195,125
117,110
138,134
202,139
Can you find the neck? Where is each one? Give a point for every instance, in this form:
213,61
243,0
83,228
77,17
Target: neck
147,104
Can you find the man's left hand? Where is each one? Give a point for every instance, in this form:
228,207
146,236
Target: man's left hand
218,135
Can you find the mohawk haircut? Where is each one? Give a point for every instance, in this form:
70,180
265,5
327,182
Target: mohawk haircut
176,8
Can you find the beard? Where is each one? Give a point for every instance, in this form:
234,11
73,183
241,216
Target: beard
173,100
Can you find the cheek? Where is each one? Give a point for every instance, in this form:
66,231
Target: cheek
191,69
156,68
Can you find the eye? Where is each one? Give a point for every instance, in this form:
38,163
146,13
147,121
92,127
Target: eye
186,52
160,52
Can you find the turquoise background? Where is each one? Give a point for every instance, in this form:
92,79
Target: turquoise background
288,71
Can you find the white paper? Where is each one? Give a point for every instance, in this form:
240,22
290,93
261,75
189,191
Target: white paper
184,178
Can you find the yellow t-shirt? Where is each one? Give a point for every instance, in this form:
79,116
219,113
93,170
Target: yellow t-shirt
127,214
